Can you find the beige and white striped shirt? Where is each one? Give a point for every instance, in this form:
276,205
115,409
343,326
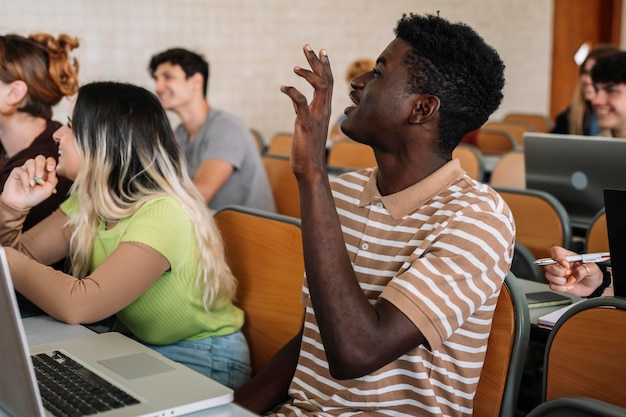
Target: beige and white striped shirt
438,251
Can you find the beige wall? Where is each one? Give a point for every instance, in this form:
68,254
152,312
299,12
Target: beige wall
253,45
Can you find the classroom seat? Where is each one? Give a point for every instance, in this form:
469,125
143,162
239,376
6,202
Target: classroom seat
280,144
351,154
541,220
501,376
515,128
578,406
264,251
597,236
494,141
509,171
283,184
585,352
471,159
540,122
523,265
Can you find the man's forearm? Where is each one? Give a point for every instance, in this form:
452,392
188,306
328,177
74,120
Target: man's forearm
269,387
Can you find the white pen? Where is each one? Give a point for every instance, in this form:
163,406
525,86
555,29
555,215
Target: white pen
585,257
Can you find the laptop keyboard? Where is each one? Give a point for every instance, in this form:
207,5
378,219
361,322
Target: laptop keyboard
69,389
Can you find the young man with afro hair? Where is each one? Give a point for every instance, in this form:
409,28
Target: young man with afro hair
405,261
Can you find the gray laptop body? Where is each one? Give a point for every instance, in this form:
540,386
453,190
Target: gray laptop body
163,387
575,170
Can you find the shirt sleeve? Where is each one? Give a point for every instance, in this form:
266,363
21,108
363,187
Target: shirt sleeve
155,223
460,275
35,243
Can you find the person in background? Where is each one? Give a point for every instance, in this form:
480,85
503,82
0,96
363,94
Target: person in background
579,117
356,67
583,279
404,261
143,244
609,79
609,103
222,156
36,72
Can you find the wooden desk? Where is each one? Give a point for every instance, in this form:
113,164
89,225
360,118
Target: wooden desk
43,329
533,286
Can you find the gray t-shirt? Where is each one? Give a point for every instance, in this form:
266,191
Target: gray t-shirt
224,136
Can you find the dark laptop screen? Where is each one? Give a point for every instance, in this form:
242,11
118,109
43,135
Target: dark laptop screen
575,170
615,202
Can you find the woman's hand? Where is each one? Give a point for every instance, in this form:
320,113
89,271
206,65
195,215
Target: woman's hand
30,184
575,278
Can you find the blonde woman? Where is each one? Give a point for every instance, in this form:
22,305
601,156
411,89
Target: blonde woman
143,244
36,72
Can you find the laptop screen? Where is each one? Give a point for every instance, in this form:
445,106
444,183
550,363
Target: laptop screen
615,202
575,170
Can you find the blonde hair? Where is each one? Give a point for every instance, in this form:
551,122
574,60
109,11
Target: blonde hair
43,62
129,156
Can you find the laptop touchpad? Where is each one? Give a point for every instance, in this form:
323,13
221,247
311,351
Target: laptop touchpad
137,365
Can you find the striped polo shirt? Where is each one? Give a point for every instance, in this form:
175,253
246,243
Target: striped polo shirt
439,251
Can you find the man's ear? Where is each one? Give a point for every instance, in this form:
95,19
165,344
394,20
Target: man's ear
424,108
198,80
17,92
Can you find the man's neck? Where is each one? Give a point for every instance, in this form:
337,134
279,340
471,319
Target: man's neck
193,118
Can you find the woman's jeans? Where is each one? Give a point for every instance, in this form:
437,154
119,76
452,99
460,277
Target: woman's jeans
224,359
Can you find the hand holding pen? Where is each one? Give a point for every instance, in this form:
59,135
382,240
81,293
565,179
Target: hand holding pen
577,274
30,184
585,257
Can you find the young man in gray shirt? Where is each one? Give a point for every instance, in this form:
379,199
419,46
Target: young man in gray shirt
222,156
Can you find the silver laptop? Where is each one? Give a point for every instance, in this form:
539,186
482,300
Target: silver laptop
575,170
152,384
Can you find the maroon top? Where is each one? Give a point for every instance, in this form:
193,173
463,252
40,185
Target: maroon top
42,145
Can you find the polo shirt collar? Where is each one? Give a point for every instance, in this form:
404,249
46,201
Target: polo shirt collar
410,199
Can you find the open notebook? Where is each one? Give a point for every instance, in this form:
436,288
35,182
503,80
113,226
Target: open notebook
547,321
125,377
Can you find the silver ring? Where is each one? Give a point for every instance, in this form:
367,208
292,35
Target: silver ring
586,269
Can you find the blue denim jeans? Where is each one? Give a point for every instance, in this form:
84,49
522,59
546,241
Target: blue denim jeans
224,359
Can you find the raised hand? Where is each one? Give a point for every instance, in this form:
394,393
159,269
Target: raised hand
312,120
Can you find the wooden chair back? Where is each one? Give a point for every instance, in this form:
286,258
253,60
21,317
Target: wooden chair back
283,184
585,352
264,251
351,155
509,171
471,159
515,128
280,144
493,141
597,238
540,122
502,371
541,220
